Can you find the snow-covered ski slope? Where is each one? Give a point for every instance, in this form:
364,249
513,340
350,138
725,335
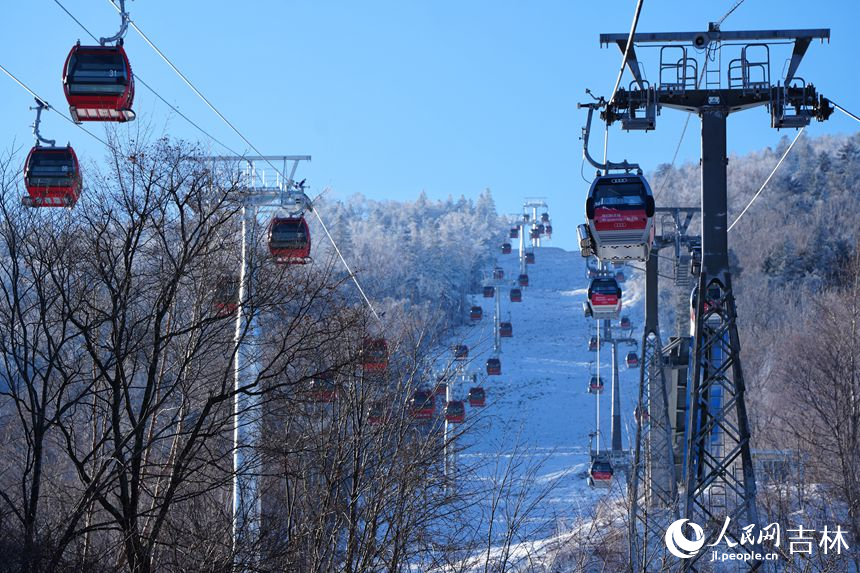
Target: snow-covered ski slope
539,409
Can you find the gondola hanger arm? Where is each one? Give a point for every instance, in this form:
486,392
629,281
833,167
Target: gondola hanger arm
600,103
40,105
123,26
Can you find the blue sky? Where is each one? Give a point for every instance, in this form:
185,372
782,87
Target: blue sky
395,97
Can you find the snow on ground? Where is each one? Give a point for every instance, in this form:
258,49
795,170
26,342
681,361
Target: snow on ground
539,406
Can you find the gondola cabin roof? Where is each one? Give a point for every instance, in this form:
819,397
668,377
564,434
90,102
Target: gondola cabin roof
617,192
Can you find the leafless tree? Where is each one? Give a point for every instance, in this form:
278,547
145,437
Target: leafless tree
119,341
817,394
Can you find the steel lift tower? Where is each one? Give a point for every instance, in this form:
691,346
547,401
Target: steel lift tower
721,466
653,480
263,183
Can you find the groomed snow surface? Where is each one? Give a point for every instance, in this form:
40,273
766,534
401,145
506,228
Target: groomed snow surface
539,414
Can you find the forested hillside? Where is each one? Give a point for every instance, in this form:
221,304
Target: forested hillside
424,253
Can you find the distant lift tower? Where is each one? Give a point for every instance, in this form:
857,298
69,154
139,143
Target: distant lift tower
523,224
719,481
617,455
535,212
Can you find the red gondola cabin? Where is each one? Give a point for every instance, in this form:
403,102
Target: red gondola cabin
498,273
506,248
620,210
604,297
632,360
455,412
516,295
625,322
374,355
461,352
489,291
595,385
98,83
422,405
600,473
323,389
494,367
52,176
506,329
226,296
477,397
476,313
711,305
592,344
515,233
530,258
290,240
523,280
